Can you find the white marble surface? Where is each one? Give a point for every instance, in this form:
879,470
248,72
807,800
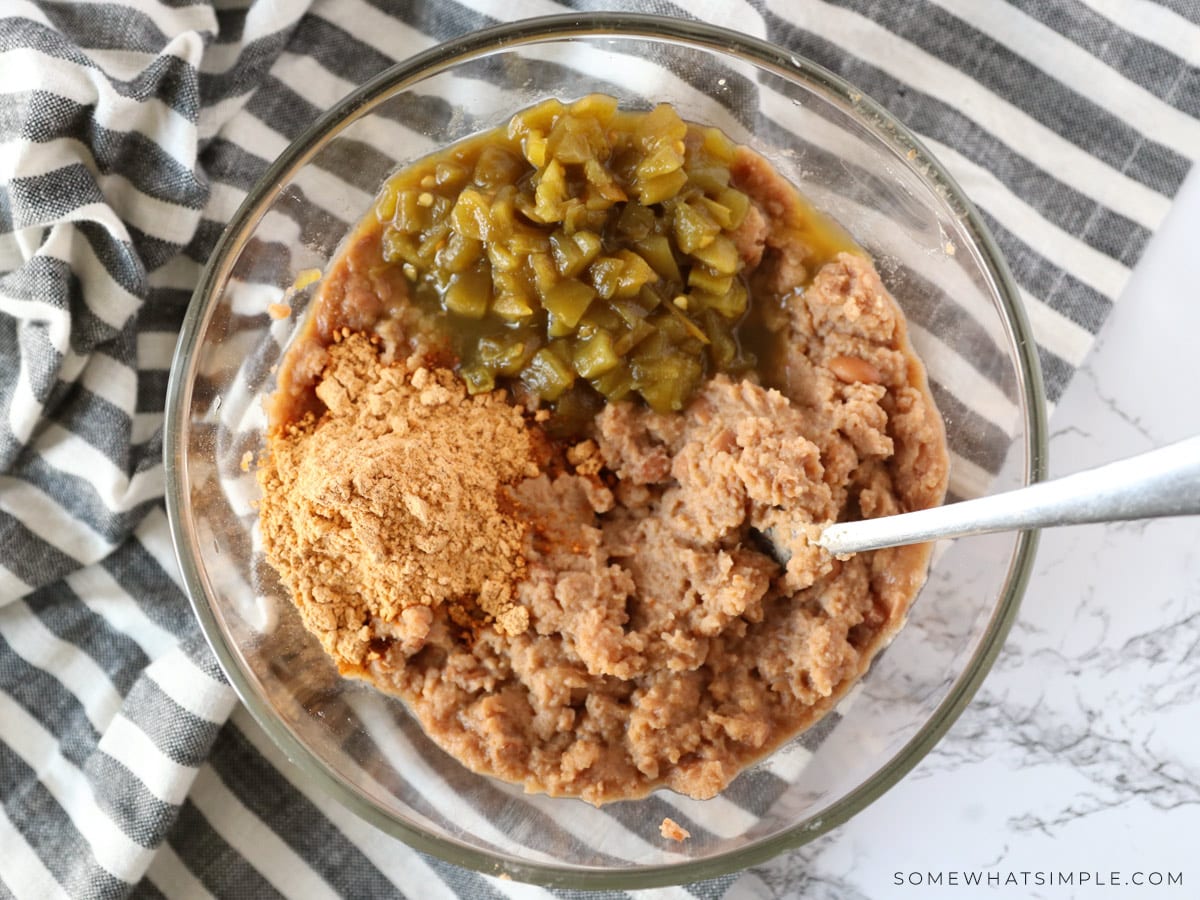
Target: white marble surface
1081,752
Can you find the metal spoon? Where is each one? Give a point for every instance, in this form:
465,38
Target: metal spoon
1163,482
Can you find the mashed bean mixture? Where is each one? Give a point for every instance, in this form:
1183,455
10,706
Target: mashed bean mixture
600,615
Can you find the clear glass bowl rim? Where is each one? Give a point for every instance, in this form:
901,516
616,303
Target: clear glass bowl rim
777,60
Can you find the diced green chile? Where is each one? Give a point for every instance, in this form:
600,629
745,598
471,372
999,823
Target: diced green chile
586,252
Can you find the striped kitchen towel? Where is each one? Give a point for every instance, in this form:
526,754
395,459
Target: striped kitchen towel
129,133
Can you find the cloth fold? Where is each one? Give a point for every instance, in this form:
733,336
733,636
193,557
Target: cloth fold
129,133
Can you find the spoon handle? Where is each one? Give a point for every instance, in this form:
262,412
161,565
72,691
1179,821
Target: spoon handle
1163,482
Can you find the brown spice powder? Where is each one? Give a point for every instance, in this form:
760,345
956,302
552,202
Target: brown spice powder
393,502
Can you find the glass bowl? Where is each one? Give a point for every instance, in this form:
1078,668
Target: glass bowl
856,163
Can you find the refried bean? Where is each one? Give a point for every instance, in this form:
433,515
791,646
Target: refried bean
599,615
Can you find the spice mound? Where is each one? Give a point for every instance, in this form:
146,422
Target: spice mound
393,506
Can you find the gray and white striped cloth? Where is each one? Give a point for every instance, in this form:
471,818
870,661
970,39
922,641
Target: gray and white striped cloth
129,133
